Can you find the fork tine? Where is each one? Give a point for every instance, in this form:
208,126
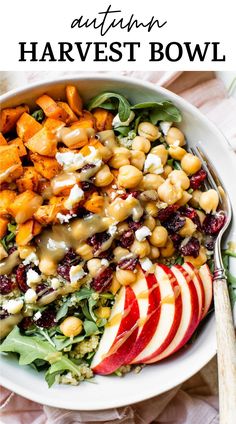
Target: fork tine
197,152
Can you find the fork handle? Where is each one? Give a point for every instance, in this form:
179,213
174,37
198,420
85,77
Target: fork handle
226,352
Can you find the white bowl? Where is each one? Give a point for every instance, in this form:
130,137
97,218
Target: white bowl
111,391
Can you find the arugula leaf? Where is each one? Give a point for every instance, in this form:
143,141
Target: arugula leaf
160,111
38,115
90,328
84,293
123,104
62,311
63,342
124,131
176,165
29,348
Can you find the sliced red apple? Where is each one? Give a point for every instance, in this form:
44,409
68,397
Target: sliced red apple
206,277
147,292
189,316
120,333
169,311
195,277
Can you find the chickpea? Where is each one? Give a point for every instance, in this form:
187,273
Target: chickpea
122,227
103,312
176,152
159,236
148,130
120,209
167,170
103,177
199,260
168,250
209,200
25,251
155,252
94,266
141,143
150,222
151,209
180,179
140,248
175,136
186,197
161,152
151,181
106,153
196,194
119,253
190,164
201,215
137,159
85,251
47,265
169,193
115,285
120,157
125,277
188,229
129,176
71,326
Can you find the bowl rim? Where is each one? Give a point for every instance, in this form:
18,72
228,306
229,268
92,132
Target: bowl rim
44,84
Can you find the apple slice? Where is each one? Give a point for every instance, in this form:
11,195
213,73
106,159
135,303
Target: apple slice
169,311
147,292
189,317
120,333
207,280
194,275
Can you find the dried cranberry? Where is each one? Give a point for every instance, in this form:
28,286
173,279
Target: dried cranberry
197,179
25,323
21,277
82,213
6,285
71,257
87,166
4,314
107,254
63,270
212,224
191,248
103,280
191,214
209,242
166,213
43,290
97,240
127,239
175,223
135,225
128,263
87,186
176,238
134,193
12,250
47,320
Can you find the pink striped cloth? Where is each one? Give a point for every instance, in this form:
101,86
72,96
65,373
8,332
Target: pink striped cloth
196,400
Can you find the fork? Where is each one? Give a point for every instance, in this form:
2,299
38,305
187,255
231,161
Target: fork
225,334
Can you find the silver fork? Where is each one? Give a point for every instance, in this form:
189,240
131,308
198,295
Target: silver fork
225,333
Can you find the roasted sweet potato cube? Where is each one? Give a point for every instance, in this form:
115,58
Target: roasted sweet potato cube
53,124
95,204
46,214
71,115
27,126
45,188
9,117
58,202
3,141
46,166
20,146
25,205
103,118
74,99
29,180
6,198
50,108
3,226
43,142
86,120
10,164
27,231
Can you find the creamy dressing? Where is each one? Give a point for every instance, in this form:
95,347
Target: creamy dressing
8,264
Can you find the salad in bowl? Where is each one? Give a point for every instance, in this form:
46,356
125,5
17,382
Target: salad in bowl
107,235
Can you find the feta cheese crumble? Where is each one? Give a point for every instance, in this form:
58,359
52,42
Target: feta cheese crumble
55,283
104,262
55,245
30,296
153,164
32,277
70,161
165,126
76,273
13,306
76,194
112,230
118,123
31,258
64,218
147,264
37,316
142,233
